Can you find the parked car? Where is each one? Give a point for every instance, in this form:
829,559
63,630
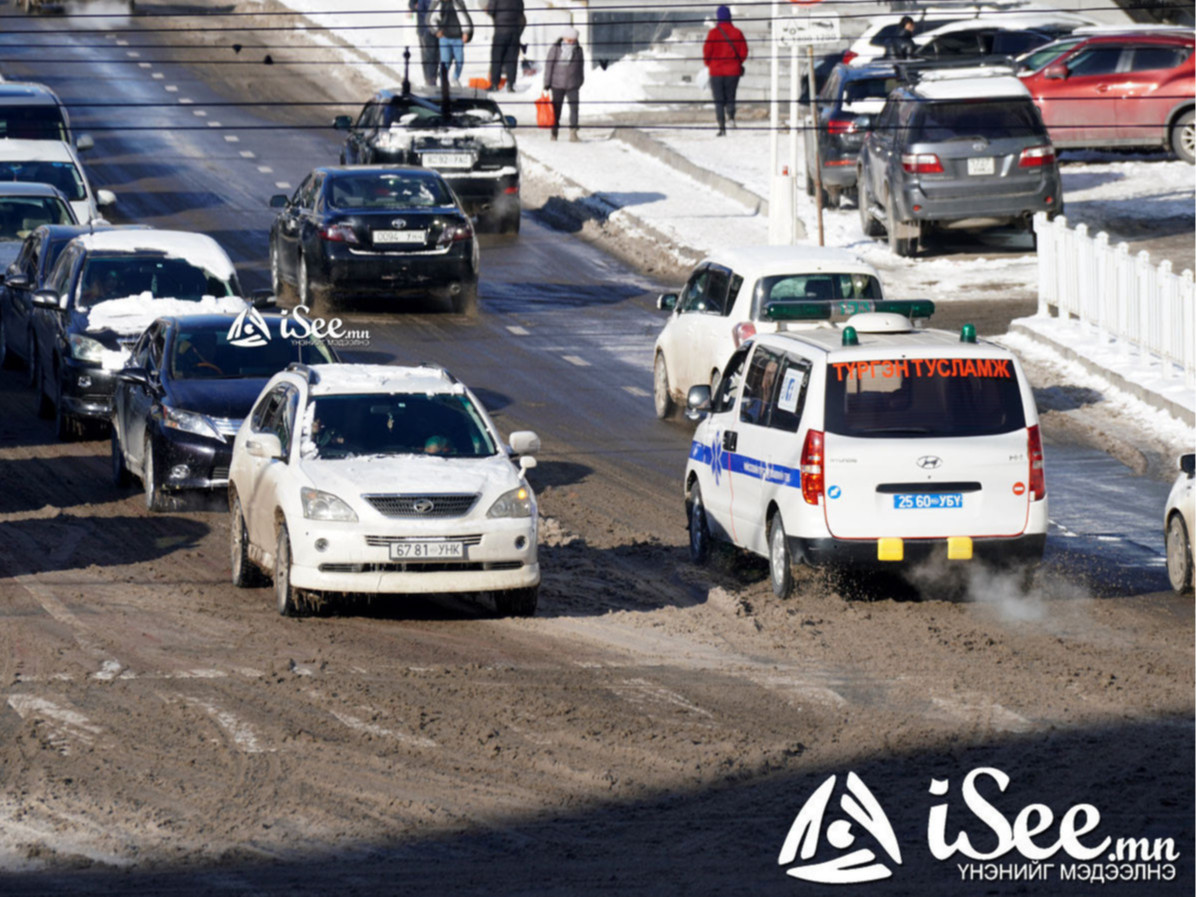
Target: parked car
34,112
470,144
996,35
394,481
870,444
370,230
1130,89
956,152
189,383
877,39
54,163
105,289
1178,521
724,302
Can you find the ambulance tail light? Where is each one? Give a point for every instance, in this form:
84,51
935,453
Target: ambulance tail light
742,332
1037,465
813,482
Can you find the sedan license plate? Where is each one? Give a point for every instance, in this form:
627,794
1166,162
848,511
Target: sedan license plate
426,551
905,501
400,236
447,160
984,165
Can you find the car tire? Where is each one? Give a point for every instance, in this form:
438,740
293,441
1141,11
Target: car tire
1179,554
780,563
302,284
66,428
276,282
465,302
869,225
245,574
699,528
517,602
155,500
902,246
661,397
121,478
284,593
1183,138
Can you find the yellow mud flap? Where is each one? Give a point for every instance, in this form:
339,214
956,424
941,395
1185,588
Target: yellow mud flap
890,549
959,548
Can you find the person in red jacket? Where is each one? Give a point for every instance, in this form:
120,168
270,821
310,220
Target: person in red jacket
724,53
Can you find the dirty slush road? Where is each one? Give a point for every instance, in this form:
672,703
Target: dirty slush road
652,731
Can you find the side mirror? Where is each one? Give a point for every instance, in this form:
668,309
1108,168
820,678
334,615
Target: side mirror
510,121
666,301
526,462
16,280
105,198
278,201
263,445
1187,463
697,401
47,299
1056,72
525,442
342,123
136,376
84,143
262,298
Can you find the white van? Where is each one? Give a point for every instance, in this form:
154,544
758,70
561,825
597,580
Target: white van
870,443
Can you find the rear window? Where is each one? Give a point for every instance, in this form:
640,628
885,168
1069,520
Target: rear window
923,397
63,175
368,190
32,123
888,32
969,119
815,288
868,89
1150,58
20,215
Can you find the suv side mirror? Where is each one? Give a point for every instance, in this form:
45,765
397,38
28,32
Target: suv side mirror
1187,463
16,280
1056,72
697,401
136,376
510,121
105,198
264,445
84,143
342,123
278,201
525,442
47,299
262,298
666,301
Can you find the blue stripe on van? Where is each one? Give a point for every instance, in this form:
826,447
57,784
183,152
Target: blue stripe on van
720,460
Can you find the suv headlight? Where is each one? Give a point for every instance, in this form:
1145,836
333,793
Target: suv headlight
189,422
319,505
84,348
392,139
516,503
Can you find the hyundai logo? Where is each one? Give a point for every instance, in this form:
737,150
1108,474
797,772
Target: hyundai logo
399,223
930,462
423,506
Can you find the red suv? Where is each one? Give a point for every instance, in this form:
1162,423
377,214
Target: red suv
1126,89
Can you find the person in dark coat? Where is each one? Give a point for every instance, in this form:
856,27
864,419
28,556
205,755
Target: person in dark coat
454,29
504,49
564,73
724,53
902,46
429,44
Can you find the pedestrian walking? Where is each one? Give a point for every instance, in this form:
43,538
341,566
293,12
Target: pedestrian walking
454,29
724,53
509,22
429,45
564,73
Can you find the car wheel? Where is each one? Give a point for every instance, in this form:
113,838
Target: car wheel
304,285
284,593
65,426
31,380
1183,138
517,602
155,500
245,574
902,246
869,225
699,528
466,301
276,283
1179,554
661,397
121,478
780,564
832,198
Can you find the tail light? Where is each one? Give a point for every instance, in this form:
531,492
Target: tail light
1036,156
511,191
849,55
921,163
812,481
742,332
840,125
338,233
454,233
1037,468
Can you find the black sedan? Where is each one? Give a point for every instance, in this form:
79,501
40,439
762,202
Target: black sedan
188,385
358,231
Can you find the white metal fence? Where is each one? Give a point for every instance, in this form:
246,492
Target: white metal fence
1147,308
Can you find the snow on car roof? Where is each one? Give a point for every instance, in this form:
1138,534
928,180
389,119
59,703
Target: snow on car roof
36,151
762,261
132,314
198,249
830,339
1020,21
970,87
345,379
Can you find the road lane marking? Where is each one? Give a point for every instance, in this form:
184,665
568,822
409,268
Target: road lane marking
361,726
122,43
215,124
232,138
63,724
239,730
157,76
265,169
172,88
145,65
575,360
183,101
199,113
637,391
283,185
247,154
517,330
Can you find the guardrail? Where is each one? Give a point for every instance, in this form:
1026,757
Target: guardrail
1147,308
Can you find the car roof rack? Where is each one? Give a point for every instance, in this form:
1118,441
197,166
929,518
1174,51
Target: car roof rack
298,367
912,71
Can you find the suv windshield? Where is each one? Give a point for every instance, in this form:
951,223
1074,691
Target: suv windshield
20,215
971,119
63,175
923,397
1032,62
207,355
815,288
367,190
118,276
429,424
32,123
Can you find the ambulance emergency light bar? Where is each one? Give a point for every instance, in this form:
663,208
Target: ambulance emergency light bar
801,310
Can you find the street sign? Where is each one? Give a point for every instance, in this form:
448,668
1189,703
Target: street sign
806,30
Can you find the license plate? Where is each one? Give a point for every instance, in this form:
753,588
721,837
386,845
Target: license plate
426,551
447,160
400,236
906,501
986,165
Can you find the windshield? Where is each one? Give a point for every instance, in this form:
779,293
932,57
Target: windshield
1032,62
63,175
384,192
208,355
32,123
20,215
118,276
869,89
972,119
923,397
431,424
418,112
815,288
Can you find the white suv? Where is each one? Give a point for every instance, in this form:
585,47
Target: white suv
376,479
868,443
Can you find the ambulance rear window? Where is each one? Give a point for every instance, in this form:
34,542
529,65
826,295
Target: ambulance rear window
916,397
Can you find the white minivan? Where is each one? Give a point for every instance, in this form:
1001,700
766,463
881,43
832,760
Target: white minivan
864,444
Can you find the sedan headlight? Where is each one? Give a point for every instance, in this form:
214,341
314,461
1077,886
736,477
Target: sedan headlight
319,505
516,503
84,348
189,422
392,139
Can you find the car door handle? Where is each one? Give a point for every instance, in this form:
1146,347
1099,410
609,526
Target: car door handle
730,441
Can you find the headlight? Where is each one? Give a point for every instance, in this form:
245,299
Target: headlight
319,505
189,422
392,139
85,348
516,503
